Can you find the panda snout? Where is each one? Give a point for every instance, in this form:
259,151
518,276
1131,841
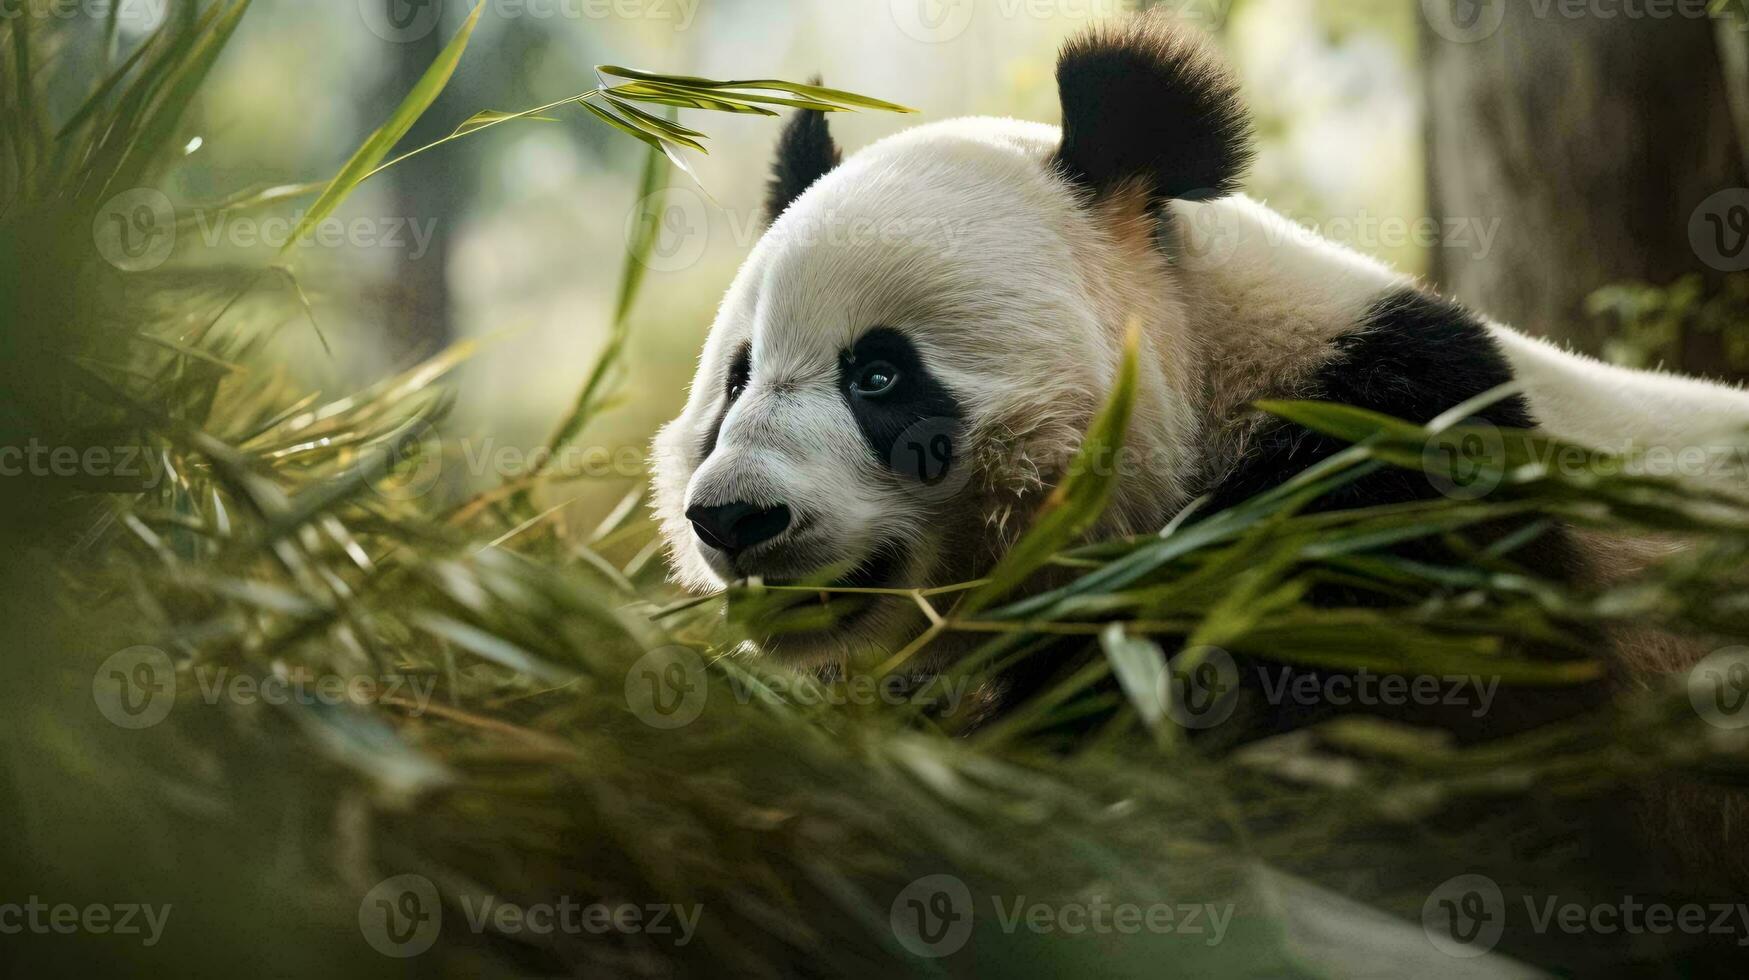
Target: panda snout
735,527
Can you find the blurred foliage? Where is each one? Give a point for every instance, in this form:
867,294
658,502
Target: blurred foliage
1649,323
291,536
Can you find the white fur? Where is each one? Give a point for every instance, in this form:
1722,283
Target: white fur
1019,292
1649,413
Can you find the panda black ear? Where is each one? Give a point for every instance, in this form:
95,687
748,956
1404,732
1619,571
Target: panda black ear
1148,99
805,152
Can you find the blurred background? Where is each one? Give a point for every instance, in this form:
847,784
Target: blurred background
1524,162
1574,167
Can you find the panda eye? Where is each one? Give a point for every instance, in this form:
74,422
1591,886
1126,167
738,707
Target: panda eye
739,372
875,380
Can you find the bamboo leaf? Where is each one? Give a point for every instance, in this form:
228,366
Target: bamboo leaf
377,147
1140,668
815,92
492,117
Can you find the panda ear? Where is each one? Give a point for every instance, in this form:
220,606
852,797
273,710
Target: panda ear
805,152
1148,99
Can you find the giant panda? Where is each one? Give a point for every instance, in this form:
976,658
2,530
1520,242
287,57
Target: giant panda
979,276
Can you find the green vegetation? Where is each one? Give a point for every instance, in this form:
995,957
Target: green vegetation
282,536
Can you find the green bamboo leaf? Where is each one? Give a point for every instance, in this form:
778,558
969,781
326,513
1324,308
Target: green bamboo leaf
109,84
666,123
815,92
492,117
365,161
685,99
642,89
185,77
1140,667
492,647
647,138
656,126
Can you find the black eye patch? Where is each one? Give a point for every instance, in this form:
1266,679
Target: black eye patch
740,370
909,419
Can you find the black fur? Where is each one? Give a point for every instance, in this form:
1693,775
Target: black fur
919,408
740,369
1413,356
805,153
1149,100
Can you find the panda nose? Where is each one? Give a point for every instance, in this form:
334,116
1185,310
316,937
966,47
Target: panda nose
735,527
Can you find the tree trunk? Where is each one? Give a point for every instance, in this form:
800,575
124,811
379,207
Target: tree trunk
1593,141
417,301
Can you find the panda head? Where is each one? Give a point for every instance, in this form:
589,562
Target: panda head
911,353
